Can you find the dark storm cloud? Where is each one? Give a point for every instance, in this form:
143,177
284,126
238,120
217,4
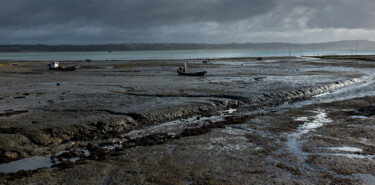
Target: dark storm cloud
128,13
120,21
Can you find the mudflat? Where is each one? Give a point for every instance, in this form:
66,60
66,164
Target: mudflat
270,121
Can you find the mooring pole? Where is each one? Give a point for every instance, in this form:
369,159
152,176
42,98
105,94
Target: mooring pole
185,66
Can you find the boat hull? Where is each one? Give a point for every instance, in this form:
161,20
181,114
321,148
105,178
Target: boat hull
203,73
63,68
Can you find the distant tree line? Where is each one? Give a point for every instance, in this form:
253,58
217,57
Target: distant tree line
187,46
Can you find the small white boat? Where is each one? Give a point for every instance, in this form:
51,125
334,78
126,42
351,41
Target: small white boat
56,66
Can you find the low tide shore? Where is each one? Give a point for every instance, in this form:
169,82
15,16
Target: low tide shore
274,120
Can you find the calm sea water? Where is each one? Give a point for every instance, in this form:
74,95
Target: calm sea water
185,54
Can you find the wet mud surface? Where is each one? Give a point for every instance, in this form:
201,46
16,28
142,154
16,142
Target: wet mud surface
277,121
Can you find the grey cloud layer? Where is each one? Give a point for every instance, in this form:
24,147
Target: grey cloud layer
128,12
99,21
339,13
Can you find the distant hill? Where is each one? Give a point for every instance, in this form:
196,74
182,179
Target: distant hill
345,44
348,44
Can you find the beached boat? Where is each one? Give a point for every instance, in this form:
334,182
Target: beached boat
56,66
183,71
203,73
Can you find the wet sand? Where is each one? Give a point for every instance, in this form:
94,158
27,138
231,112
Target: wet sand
280,121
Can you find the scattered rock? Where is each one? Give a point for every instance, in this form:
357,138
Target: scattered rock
20,174
40,138
11,155
19,97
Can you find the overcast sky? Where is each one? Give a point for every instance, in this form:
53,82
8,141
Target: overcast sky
176,21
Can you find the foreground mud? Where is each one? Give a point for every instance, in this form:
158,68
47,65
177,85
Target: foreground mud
282,121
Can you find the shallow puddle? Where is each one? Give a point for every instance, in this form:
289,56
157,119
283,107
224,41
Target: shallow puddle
294,139
33,163
345,148
348,155
359,117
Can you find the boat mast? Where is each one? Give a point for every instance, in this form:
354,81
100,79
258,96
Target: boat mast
185,66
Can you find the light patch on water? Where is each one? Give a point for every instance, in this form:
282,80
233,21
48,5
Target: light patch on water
359,117
317,121
270,61
323,94
301,119
230,111
346,149
351,156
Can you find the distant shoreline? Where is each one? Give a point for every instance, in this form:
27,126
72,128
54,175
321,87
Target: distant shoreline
217,54
346,45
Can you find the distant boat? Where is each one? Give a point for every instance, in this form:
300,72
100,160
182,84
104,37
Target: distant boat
56,66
